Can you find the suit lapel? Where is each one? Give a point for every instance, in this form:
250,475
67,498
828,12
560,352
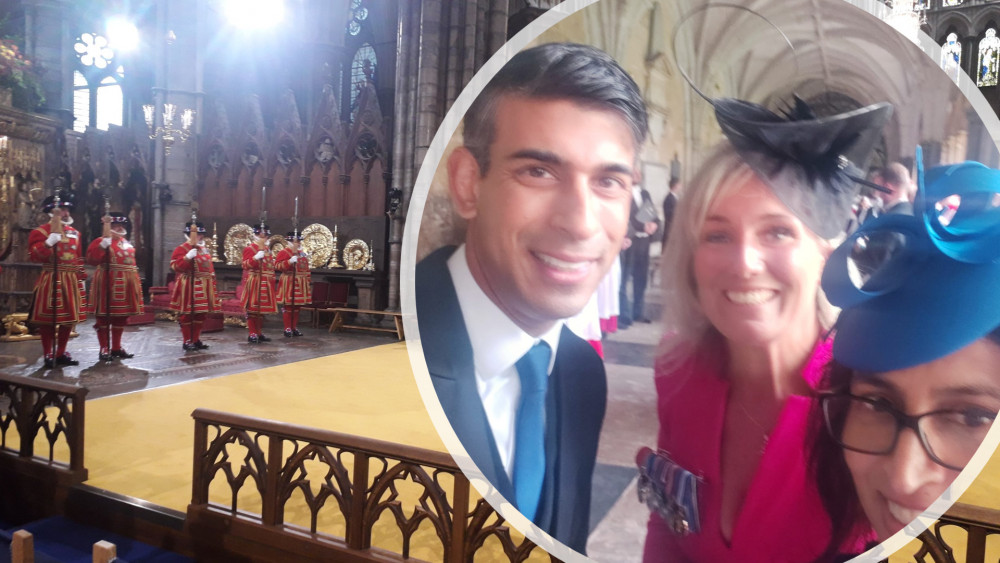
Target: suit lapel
450,362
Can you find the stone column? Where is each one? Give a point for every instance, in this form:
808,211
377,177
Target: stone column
439,48
178,81
401,149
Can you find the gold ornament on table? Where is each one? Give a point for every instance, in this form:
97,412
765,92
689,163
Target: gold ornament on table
213,243
16,328
370,265
356,254
318,242
277,243
166,316
238,237
334,263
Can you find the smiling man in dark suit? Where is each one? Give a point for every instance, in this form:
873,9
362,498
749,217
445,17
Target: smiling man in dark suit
544,181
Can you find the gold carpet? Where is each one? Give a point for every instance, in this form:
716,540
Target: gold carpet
140,444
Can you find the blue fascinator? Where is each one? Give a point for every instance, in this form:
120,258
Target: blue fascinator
917,288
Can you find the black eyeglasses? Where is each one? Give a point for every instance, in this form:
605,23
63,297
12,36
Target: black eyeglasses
872,426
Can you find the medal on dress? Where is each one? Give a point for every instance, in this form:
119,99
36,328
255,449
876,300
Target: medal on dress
669,490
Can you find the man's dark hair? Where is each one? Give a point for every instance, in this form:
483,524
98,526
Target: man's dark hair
556,71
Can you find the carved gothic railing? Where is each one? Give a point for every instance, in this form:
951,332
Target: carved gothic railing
973,524
266,470
33,411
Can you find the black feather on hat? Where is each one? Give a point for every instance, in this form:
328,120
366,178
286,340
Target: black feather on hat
813,164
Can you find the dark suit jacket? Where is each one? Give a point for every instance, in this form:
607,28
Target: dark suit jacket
574,406
669,205
636,226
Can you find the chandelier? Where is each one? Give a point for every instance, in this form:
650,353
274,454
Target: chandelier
168,132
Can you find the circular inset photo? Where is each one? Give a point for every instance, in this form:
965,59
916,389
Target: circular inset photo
712,282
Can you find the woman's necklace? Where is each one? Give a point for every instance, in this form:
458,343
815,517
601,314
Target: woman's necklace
763,431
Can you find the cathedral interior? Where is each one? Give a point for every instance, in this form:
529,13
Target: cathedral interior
316,116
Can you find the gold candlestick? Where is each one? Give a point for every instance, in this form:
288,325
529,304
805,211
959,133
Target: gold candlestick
214,243
334,262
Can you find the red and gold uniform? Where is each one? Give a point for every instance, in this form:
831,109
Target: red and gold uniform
294,287
116,297
194,273
59,298
258,297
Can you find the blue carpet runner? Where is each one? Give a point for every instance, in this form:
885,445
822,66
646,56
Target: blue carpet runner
63,540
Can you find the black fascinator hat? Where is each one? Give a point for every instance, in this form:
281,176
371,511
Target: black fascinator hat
66,201
814,165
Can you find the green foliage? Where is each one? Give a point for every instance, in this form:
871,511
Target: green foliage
19,75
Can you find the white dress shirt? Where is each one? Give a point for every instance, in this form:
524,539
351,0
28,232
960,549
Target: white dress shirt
497,344
637,195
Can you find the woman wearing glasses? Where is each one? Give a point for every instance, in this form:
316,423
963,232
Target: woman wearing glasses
915,383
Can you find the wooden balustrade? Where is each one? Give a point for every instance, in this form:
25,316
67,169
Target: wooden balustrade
355,480
978,524
30,408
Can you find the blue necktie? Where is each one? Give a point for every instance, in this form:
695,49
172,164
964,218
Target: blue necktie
529,438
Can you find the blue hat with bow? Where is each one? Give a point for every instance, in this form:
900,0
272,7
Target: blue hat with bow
917,288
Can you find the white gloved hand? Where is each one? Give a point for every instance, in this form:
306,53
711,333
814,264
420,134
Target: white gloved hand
53,239
105,242
191,254
259,255
293,259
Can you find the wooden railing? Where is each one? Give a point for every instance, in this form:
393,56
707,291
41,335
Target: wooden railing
978,524
360,483
30,408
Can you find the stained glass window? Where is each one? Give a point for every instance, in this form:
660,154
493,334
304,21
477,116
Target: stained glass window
357,15
93,50
362,69
81,102
98,100
948,3
362,66
988,48
951,50
109,103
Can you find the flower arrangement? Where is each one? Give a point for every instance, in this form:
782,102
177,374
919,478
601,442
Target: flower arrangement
18,74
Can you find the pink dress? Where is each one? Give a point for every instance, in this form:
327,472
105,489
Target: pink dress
782,519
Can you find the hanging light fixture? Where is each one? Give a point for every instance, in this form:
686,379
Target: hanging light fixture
168,132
